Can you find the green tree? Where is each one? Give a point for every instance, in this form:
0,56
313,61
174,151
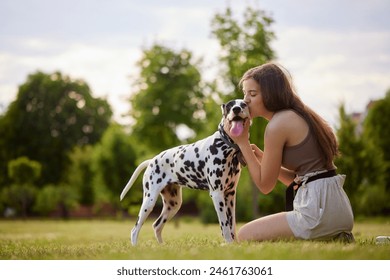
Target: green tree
114,160
80,174
24,171
56,197
51,114
351,147
376,132
168,97
376,129
21,194
363,163
243,46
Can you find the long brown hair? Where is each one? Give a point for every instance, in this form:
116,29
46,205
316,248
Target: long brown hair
278,94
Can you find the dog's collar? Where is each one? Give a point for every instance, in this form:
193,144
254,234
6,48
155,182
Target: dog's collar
228,141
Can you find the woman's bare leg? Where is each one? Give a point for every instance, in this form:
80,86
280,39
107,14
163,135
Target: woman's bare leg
270,227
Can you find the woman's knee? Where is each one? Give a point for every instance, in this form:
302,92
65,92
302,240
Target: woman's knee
245,233
241,235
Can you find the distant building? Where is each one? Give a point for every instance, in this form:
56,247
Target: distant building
358,118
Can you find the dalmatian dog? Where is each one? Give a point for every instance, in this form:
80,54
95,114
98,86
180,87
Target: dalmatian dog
212,164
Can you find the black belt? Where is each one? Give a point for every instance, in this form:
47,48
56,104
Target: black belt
290,192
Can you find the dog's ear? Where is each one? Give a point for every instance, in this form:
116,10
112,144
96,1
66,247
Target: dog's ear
223,108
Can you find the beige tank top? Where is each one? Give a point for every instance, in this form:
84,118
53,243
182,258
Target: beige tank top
304,157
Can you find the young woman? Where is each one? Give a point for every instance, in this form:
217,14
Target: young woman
298,146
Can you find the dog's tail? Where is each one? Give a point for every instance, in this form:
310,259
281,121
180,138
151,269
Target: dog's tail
134,177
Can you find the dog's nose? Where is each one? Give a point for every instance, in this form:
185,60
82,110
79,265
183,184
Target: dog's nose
236,110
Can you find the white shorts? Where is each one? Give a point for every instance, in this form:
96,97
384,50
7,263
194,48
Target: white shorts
321,209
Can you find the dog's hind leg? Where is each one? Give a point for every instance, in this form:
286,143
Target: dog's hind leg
150,198
172,200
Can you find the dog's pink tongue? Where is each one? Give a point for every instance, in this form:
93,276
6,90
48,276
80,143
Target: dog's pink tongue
237,128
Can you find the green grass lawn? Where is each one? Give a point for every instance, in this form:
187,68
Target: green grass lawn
183,239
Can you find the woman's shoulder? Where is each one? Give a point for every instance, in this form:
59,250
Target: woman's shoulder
287,113
289,124
285,118
280,122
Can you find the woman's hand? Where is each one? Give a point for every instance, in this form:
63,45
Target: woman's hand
257,152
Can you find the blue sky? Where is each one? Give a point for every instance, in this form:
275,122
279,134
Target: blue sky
336,51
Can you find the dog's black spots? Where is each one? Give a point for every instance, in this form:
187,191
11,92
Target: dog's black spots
172,203
182,170
220,209
219,173
231,193
182,156
148,195
164,221
157,223
218,185
197,152
190,166
229,212
213,150
164,175
201,165
182,180
173,192
221,204
159,180
167,160
226,153
169,208
157,169
147,185
146,210
217,161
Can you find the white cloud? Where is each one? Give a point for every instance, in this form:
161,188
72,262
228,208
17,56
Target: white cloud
342,58
105,68
330,67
